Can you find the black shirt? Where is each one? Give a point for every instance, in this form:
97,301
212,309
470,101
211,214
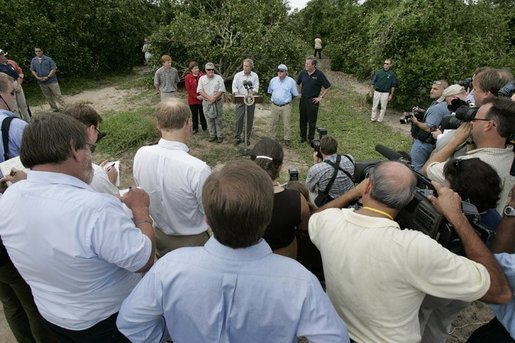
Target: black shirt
312,84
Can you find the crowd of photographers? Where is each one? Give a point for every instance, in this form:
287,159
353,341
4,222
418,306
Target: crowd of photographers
86,259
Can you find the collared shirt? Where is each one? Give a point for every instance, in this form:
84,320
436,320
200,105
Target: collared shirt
434,114
173,179
212,85
219,294
15,134
101,182
506,313
384,80
321,173
43,66
76,248
282,91
377,275
166,80
237,82
312,84
499,159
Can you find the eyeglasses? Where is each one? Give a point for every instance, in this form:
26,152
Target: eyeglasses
92,147
209,69
480,119
100,134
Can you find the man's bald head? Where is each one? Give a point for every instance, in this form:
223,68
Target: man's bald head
393,184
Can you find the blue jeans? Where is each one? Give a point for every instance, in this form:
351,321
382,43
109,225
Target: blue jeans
420,152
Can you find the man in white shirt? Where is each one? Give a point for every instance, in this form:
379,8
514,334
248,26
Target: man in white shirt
241,87
76,248
377,275
173,179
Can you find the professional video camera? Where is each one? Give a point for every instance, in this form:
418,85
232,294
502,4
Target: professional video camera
416,111
315,143
464,113
507,90
420,213
465,83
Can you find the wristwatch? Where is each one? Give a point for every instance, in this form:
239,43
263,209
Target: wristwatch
509,211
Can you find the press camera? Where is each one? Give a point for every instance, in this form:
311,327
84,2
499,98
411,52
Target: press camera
416,112
315,143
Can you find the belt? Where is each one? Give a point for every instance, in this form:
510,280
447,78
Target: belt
377,90
282,104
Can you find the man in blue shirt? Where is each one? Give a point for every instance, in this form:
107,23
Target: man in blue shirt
283,90
44,68
312,81
234,289
423,141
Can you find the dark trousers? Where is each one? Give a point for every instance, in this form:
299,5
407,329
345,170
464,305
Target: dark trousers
319,53
240,119
102,332
21,312
494,331
196,113
308,115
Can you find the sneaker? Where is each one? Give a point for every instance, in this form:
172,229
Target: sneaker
212,139
220,140
237,141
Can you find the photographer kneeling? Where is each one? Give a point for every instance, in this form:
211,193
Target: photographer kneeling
421,128
331,175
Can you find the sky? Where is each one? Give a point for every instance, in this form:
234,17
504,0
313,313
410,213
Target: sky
299,4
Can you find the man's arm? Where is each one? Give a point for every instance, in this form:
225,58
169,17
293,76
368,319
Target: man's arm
461,135
347,198
504,240
449,204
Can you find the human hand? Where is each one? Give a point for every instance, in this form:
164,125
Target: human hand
390,97
462,133
112,174
317,100
448,202
15,176
138,201
436,133
316,158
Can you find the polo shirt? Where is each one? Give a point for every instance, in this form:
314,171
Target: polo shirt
377,275
384,80
218,294
76,248
212,85
166,80
312,84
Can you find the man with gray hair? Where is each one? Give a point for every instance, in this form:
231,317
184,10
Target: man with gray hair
211,87
241,86
377,275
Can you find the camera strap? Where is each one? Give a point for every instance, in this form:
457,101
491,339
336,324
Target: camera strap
6,123
336,166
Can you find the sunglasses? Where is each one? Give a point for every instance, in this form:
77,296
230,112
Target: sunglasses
281,71
209,69
100,135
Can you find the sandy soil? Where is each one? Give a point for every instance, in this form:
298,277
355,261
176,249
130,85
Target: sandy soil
113,99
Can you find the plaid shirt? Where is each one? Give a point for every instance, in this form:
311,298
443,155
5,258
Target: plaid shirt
320,174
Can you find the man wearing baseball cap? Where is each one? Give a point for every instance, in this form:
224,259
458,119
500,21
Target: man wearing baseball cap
12,69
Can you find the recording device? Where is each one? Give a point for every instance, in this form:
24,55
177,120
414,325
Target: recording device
416,112
465,83
248,85
315,143
464,113
294,174
249,99
420,213
507,90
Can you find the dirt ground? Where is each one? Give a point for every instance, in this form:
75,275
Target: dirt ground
113,99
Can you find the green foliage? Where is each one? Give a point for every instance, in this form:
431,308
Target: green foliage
427,39
225,32
127,131
84,37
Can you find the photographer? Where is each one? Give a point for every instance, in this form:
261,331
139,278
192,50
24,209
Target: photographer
423,141
332,174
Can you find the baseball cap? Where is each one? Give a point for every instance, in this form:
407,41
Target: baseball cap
2,52
210,65
453,90
282,67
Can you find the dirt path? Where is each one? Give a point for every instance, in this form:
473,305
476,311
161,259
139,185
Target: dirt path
112,99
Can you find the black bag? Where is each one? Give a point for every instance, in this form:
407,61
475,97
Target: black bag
323,197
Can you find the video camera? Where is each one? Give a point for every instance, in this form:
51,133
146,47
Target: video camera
465,83
464,113
294,174
315,143
420,213
416,112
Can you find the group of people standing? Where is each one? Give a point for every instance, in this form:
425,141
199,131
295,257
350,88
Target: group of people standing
205,92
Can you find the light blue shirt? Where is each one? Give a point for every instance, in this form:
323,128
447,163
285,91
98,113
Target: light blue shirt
282,90
15,134
506,313
43,66
219,294
76,248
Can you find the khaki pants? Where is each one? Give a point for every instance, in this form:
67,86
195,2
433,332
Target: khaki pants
166,243
20,105
52,92
277,113
166,95
379,97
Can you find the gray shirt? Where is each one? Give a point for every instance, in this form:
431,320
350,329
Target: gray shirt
166,80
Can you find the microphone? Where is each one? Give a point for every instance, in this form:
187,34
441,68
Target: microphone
389,153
